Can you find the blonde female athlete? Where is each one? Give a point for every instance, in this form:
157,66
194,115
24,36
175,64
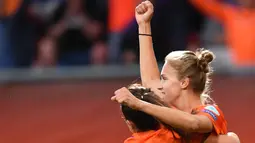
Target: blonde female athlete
184,83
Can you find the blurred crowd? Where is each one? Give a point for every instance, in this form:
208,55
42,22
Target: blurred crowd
48,33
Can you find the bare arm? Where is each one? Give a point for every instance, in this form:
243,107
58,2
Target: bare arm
177,118
173,117
148,64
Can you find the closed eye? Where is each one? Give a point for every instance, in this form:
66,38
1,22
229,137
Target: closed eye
163,77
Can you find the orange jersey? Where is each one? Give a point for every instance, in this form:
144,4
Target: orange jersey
216,116
162,135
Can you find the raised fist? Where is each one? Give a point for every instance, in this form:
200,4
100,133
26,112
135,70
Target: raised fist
144,12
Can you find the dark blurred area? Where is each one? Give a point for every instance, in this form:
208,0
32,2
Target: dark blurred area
56,32
49,33
61,61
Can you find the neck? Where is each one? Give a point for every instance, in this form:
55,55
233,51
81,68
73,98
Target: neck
188,101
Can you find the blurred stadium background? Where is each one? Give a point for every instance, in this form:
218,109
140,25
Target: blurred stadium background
61,61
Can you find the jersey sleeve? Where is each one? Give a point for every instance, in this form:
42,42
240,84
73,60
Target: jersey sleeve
216,116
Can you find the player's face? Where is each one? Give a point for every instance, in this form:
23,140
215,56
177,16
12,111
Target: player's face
171,83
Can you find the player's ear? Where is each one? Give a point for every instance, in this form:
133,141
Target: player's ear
185,83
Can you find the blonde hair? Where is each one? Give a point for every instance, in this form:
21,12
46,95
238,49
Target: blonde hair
195,66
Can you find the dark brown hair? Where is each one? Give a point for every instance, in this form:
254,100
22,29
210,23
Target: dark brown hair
143,121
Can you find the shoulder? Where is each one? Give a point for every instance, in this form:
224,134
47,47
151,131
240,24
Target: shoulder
215,114
131,140
210,109
213,110
217,118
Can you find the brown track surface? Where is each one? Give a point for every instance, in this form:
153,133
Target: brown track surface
81,112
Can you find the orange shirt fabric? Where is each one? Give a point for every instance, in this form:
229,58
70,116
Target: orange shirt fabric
162,135
217,118
120,14
9,7
239,24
